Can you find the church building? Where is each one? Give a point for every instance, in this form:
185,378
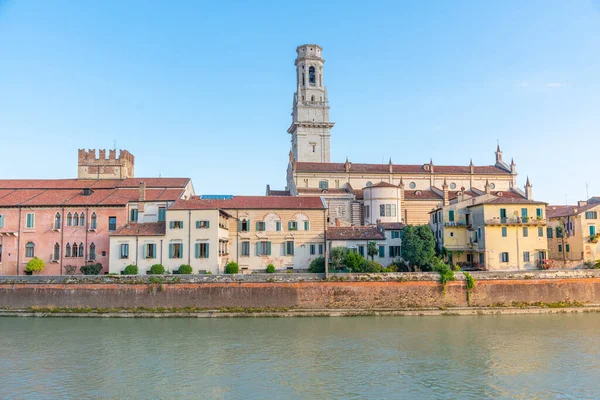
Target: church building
402,193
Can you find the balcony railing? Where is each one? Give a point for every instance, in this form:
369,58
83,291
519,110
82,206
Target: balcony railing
455,223
515,221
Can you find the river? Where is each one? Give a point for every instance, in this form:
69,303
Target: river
520,357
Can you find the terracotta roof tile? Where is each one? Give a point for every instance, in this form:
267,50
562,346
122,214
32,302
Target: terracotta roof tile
354,233
421,195
141,229
250,202
91,183
382,184
565,211
388,226
508,200
397,168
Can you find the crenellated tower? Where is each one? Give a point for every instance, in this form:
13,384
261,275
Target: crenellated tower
310,127
113,167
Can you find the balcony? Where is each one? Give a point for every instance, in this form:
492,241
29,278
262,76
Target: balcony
456,223
515,221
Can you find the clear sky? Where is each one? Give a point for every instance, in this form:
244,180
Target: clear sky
203,89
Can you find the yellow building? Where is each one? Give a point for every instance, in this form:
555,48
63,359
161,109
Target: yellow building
573,232
496,232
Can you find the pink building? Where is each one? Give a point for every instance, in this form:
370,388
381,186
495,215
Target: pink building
68,221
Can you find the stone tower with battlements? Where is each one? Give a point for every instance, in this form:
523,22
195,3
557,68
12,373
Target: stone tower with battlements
310,127
91,167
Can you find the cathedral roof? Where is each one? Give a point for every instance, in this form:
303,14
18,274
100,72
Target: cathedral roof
250,202
398,168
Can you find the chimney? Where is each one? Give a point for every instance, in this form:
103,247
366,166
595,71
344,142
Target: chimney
445,190
142,191
582,203
391,166
487,186
347,165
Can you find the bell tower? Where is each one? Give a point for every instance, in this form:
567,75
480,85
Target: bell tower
310,113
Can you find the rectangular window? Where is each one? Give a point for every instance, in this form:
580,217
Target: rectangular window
540,232
367,212
394,251
244,225
150,250
451,215
382,210
481,258
292,226
176,250
263,248
261,226
306,225
539,213
560,248
30,220
1,221
395,234
526,256
388,210
289,248
361,250
162,211
525,231
112,223
29,250
567,248
381,251
124,250
176,224
592,230
549,232
503,214
591,215
202,224
201,250
504,231
312,249
245,249
558,232
320,249
133,215
278,226
393,210
504,257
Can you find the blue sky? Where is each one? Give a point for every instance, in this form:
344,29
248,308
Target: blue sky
204,89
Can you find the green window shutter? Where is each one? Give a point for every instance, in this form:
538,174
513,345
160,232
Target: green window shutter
451,215
207,224
197,250
381,251
239,226
285,248
289,225
1,221
592,230
248,220
181,250
170,250
268,248
145,251
257,226
278,226
207,253
258,248
306,225
171,224
197,224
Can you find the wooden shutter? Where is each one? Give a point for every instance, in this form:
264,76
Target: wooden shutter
170,250
1,221
257,226
306,225
268,248
171,224
197,250
258,248
206,255
197,224
278,226
207,224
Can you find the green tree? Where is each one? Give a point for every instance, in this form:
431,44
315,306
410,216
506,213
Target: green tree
337,255
317,266
372,250
157,269
270,268
131,269
418,246
232,268
353,261
35,265
185,269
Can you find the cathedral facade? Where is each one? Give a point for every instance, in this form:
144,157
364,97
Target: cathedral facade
419,188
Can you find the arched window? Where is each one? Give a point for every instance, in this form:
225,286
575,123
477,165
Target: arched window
56,254
311,76
30,250
92,254
75,250
82,219
68,250
369,183
93,221
312,98
323,185
81,250
57,221
69,219
76,219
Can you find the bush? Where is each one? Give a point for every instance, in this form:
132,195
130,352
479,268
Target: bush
35,265
270,268
157,269
91,269
446,273
131,269
317,266
232,268
337,256
353,261
70,269
371,266
185,269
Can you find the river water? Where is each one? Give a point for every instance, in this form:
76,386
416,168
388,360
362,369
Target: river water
521,357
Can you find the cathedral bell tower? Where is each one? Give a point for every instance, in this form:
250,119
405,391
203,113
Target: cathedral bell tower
310,114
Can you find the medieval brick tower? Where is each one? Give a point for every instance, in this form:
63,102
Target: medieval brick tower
310,114
113,167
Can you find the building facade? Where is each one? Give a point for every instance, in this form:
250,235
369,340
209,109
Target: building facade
67,222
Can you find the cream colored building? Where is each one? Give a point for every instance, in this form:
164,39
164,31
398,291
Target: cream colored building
497,232
310,172
208,232
573,232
